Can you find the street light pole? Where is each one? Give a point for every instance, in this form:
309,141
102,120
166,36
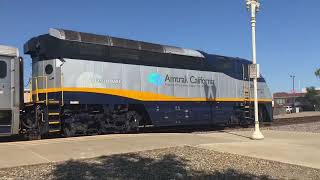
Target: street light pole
254,6
293,90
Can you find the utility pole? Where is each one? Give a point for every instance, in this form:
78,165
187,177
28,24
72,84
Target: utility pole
253,6
293,90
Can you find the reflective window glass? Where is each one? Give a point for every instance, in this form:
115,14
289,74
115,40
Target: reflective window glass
3,69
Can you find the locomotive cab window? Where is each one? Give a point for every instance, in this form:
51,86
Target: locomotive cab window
49,69
3,69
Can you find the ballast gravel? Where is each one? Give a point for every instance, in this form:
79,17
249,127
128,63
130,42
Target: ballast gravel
170,163
313,127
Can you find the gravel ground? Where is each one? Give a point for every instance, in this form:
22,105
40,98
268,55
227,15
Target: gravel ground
170,163
313,127
295,115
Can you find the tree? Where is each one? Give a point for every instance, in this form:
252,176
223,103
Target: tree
317,73
312,97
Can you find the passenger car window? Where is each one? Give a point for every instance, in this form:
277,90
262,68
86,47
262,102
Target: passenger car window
3,69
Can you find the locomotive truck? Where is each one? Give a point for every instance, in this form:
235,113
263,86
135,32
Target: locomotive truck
85,83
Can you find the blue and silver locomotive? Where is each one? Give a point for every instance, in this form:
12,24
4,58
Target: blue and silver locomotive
91,84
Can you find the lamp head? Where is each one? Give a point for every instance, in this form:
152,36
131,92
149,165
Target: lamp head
250,2
257,5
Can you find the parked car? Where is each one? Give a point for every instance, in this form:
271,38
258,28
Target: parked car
289,109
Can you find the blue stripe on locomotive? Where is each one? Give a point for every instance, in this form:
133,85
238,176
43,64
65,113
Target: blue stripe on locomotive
167,113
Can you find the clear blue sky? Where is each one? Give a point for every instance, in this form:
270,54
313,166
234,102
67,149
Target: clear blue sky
288,32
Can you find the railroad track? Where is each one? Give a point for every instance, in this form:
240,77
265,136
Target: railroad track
199,129
202,129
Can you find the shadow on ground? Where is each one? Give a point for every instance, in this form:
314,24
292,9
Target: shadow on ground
235,134
134,166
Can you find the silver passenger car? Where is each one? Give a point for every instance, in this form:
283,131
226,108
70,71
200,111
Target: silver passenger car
10,90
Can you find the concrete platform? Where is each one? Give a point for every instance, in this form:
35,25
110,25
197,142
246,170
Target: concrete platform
296,148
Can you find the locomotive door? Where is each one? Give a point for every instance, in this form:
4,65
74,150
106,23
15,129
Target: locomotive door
220,114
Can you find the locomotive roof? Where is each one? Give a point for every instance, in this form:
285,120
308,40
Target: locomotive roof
60,43
9,51
120,42
43,44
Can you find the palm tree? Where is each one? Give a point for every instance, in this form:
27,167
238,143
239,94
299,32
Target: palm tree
317,73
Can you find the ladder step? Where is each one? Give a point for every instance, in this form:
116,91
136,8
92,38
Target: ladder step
54,122
40,102
49,102
54,114
54,130
53,102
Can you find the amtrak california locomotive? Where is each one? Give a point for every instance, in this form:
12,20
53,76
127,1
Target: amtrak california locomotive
90,84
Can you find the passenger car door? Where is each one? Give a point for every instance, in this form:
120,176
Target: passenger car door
5,83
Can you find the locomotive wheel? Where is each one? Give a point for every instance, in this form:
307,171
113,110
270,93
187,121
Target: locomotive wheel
68,132
132,123
32,124
136,119
32,136
29,121
234,120
262,116
244,123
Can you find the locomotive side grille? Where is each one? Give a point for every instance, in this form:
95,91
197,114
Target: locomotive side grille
151,47
93,38
125,43
72,35
5,117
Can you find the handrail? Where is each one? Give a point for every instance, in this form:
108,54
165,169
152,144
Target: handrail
37,89
30,89
37,93
62,93
46,87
